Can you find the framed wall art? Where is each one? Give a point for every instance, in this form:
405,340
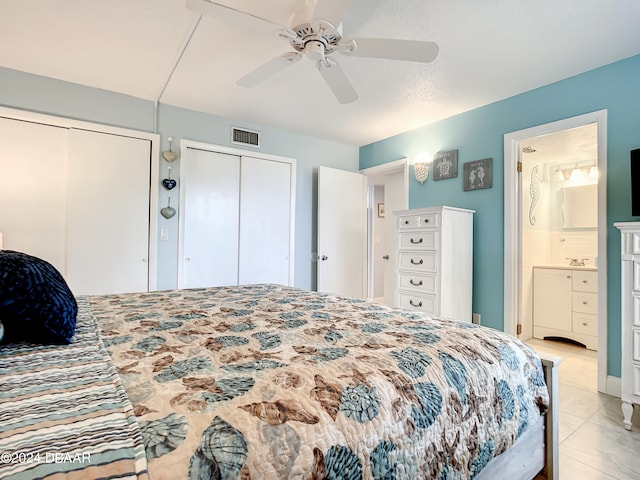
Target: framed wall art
477,174
445,165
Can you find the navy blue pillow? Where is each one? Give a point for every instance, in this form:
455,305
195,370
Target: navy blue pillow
36,304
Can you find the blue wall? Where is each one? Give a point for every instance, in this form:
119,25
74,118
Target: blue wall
478,134
45,95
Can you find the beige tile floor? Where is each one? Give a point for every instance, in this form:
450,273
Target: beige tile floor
593,443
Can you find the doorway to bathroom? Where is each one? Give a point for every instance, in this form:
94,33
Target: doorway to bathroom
555,234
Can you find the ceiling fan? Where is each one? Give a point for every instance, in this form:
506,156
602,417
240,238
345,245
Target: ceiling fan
317,35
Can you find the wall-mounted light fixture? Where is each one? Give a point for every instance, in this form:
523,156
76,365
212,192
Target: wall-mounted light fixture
421,167
576,175
577,172
566,173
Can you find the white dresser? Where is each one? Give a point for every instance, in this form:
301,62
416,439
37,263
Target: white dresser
630,317
435,261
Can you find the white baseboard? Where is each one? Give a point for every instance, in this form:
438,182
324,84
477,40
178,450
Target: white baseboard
614,386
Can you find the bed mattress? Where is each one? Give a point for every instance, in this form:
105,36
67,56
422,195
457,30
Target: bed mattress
272,382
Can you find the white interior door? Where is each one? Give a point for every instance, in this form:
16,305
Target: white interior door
265,220
209,213
341,232
107,213
32,206
394,200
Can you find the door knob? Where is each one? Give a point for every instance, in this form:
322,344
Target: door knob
386,257
324,257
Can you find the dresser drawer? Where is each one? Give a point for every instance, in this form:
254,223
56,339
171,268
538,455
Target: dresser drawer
426,262
636,276
425,240
424,303
585,281
636,379
636,345
585,302
418,282
636,309
409,221
585,324
425,220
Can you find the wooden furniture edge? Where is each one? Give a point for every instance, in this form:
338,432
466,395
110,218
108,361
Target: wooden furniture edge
550,368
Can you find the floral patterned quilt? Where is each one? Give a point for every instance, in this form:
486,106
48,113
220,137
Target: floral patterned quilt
271,382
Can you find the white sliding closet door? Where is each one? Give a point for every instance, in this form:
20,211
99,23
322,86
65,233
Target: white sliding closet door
107,213
32,197
209,212
265,219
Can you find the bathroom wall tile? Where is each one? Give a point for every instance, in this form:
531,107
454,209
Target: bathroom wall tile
582,244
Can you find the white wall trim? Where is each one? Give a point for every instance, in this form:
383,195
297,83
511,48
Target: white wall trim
614,386
513,232
386,168
211,147
153,138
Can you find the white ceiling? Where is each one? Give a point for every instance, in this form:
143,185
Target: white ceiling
567,147
489,50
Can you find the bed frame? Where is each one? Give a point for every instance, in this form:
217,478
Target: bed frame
535,454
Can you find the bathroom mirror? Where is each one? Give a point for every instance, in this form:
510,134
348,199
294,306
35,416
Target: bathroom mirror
580,206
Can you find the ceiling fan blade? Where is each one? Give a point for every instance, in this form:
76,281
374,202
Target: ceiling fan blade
232,16
409,50
338,82
269,69
333,11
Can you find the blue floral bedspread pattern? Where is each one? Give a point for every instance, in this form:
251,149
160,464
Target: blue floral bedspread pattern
64,413
270,382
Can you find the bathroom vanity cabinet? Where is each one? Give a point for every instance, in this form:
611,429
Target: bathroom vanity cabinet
565,304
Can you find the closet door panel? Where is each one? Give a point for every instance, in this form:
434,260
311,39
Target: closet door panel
265,219
32,197
107,213
209,219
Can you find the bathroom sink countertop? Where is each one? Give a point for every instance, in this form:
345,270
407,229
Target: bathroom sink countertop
590,268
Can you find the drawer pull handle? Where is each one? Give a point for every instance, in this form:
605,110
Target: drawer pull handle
416,263
417,284
584,281
419,304
426,220
415,242
584,324
406,222
584,303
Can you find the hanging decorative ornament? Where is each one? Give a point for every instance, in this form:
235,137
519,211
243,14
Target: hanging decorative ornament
168,211
169,183
168,155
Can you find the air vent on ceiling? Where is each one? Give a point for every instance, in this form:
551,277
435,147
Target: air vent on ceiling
242,136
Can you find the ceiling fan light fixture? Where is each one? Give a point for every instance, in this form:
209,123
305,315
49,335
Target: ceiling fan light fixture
348,47
314,50
317,34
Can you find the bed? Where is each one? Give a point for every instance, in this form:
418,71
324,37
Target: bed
272,382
